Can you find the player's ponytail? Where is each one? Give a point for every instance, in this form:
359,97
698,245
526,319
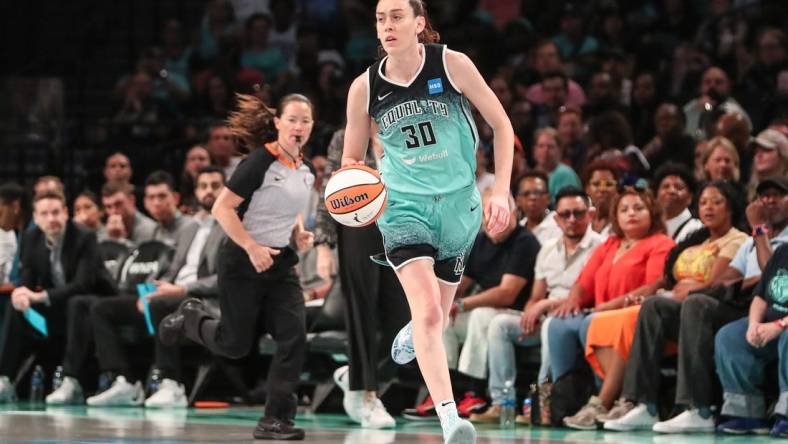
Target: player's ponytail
428,35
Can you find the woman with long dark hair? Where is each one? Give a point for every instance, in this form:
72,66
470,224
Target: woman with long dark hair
259,212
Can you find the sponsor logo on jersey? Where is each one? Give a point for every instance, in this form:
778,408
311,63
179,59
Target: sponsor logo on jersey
383,96
435,86
426,157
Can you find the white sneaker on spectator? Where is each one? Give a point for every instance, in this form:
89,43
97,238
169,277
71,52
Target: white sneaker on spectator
689,421
375,416
353,399
121,393
169,394
7,392
638,418
69,392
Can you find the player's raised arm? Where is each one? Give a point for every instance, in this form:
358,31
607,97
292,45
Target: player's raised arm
357,129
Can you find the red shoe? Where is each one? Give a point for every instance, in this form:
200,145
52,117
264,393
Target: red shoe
471,404
423,412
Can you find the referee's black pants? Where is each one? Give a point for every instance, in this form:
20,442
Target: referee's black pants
376,307
273,300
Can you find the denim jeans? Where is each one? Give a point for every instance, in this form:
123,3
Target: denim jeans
566,340
503,334
741,370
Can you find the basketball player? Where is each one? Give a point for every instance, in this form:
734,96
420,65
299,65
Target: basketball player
417,96
257,209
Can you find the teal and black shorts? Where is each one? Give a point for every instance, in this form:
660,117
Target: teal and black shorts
441,228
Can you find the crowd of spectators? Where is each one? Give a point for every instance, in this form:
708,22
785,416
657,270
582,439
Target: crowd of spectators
643,131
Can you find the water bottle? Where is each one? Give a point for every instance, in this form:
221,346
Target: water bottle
57,378
154,381
37,385
526,410
508,401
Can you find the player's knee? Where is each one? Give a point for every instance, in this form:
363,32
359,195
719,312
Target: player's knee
430,315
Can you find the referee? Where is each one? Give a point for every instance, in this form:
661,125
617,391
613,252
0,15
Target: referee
259,211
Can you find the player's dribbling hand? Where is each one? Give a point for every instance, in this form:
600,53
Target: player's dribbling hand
261,257
496,212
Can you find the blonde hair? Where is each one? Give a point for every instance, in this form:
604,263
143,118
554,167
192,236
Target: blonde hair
550,131
725,144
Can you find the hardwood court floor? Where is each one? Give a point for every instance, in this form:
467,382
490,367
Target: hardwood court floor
21,423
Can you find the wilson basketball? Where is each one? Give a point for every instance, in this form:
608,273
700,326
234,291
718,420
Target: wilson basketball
355,196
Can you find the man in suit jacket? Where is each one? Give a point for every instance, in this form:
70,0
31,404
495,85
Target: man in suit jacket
60,262
192,273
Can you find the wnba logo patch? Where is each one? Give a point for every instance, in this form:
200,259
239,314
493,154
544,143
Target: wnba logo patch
435,86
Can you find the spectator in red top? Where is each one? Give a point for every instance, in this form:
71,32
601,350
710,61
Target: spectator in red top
632,257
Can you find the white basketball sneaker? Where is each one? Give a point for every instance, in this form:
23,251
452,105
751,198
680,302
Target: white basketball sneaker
170,394
375,416
7,392
69,392
121,393
353,399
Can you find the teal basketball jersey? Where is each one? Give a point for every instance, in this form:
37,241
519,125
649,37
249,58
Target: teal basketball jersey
428,134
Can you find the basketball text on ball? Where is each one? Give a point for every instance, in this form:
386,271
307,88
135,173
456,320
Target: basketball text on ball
345,201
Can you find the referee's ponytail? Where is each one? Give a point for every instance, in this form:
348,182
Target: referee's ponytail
253,122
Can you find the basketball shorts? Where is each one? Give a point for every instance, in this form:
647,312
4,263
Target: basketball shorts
441,228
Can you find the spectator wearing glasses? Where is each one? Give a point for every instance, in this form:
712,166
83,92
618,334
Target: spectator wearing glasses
558,264
549,158
675,190
532,202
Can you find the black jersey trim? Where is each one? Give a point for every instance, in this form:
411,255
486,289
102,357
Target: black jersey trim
446,69
415,76
471,125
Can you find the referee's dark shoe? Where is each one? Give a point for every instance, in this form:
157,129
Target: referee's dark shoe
275,428
172,329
